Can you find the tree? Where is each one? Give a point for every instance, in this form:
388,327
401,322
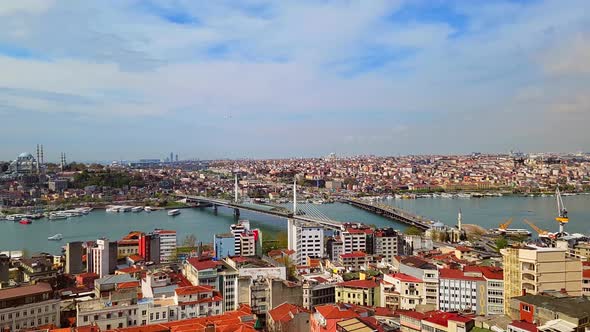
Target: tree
501,243
189,241
413,230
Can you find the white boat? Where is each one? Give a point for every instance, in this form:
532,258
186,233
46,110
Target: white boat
113,208
136,209
57,216
56,237
147,209
125,208
174,212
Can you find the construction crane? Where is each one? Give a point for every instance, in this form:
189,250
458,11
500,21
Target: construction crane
505,225
562,217
542,232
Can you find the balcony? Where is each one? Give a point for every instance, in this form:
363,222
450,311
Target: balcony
528,286
528,267
528,277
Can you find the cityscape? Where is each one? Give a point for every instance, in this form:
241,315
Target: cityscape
291,166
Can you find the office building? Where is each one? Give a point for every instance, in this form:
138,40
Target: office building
74,258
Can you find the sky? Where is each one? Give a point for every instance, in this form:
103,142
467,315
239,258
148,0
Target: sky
122,79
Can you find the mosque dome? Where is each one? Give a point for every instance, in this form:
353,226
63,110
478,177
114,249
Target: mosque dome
25,155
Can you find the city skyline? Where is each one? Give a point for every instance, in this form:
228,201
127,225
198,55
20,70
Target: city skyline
261,79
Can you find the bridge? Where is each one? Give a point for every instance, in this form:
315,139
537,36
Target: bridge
391,212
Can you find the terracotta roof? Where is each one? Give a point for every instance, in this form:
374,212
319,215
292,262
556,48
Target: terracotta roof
489,272
443,318
193,290
353,254
405,277
129,284
334,312
457,274
136,258
412,314
358,284
203,265
11,293
524,326
284,312
131,269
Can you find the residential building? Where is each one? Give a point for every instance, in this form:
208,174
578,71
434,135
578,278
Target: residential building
411,320
99,258
586,282
149,247
354,261
354,237
219,274
357,324
387,243
37,268
494,278
119,310
410,289
308,241
334,248
359,292
167,245
535,270
545,309
462,291
247,242
318,291
447,322
198,301
26,307
74,258
423,270
288,317
325,317
521,326
223,245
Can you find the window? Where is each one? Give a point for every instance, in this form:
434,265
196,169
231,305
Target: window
526,308
85,318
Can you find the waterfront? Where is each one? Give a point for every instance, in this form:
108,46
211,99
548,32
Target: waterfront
203,223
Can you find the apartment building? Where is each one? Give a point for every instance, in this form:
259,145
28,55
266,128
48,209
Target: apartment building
307,241
218,274
354,261
198,301
27,307
359,292
387,243
354,237
410,289
423,270
119,310
167,245
535,270
462,291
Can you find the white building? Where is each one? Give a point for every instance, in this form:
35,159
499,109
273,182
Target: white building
307,241
167,245
219,274
26,307
354,238
198,301
410,289
100,258
120,310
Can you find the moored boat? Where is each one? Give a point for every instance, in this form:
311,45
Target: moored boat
25,222
174,212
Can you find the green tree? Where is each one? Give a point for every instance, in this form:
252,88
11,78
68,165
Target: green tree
413,230
189,241
501,243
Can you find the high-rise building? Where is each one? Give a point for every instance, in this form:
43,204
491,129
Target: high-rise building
307,241
247,242
99,259
387,243
534,270
171,157
167,245
74,258
149,247
354,237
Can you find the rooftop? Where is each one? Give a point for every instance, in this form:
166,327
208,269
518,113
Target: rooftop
404,277
334,312
578,306
358,284
11,293
285,312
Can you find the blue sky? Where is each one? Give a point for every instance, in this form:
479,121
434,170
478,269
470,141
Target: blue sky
105,80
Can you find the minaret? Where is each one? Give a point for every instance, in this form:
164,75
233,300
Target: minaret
42,158
38,159
295,197
459,220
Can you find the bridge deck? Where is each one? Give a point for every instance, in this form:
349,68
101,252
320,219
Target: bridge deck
391,212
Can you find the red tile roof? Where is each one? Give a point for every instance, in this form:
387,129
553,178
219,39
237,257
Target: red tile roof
11,293
457,274
129,284
136,258
443,318
524,326
334,312
284,312
358,284
193,290
203,265
412,314
489,272
353,254
405,277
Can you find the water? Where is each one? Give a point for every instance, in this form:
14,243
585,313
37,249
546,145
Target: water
203,223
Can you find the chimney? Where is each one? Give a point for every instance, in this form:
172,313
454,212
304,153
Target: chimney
210,327
523,292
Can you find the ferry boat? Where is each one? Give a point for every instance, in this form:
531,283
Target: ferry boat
56,237
174,212
25,222
136,209
511,231
57,216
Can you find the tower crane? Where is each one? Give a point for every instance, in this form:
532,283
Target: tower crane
542,232
505,225
562,217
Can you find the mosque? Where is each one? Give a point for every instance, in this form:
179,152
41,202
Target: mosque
25,163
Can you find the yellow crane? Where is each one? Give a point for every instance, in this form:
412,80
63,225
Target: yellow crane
542,232
505,225
562,217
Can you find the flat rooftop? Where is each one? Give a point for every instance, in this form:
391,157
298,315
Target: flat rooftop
16,292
